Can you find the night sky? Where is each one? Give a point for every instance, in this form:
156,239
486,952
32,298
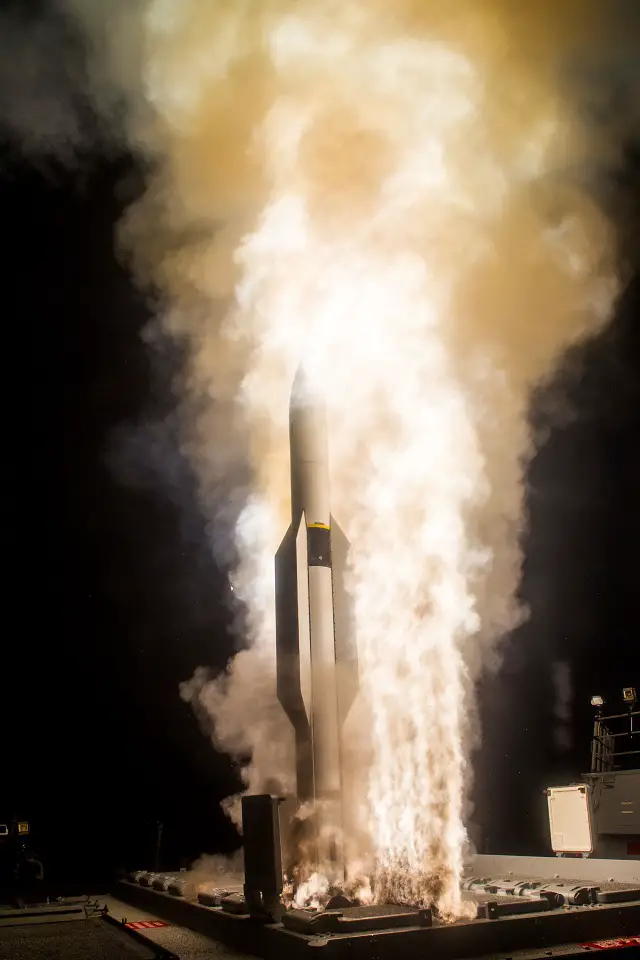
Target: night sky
112,596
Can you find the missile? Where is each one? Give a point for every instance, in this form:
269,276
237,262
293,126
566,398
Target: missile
317,673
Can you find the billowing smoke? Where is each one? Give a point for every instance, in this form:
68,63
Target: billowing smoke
393,190
40,91
216,870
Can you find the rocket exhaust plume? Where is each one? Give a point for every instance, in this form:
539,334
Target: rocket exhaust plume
388,189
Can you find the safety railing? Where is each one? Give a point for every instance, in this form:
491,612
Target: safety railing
606,754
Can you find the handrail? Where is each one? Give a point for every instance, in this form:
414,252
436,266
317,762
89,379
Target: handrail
603,743
621,716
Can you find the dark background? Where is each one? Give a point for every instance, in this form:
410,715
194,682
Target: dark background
112,598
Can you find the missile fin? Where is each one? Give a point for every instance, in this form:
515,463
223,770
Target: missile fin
287,631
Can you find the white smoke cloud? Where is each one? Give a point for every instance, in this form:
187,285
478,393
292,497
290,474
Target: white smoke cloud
396,192
217,870
388,196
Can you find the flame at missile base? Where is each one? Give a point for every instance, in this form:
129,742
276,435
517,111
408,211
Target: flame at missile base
385,173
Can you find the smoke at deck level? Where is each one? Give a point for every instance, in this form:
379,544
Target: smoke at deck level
400,190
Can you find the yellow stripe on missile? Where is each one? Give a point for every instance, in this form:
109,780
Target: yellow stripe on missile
318,526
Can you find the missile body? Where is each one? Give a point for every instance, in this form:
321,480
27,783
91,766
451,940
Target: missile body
316,660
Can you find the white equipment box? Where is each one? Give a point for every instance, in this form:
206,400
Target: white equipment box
570,819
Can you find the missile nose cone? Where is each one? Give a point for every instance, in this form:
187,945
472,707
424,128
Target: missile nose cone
308,448
301,394
307,421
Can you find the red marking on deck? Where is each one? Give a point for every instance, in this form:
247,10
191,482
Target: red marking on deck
616,944
147,924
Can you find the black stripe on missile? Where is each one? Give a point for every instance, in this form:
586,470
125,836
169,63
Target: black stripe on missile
319,545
